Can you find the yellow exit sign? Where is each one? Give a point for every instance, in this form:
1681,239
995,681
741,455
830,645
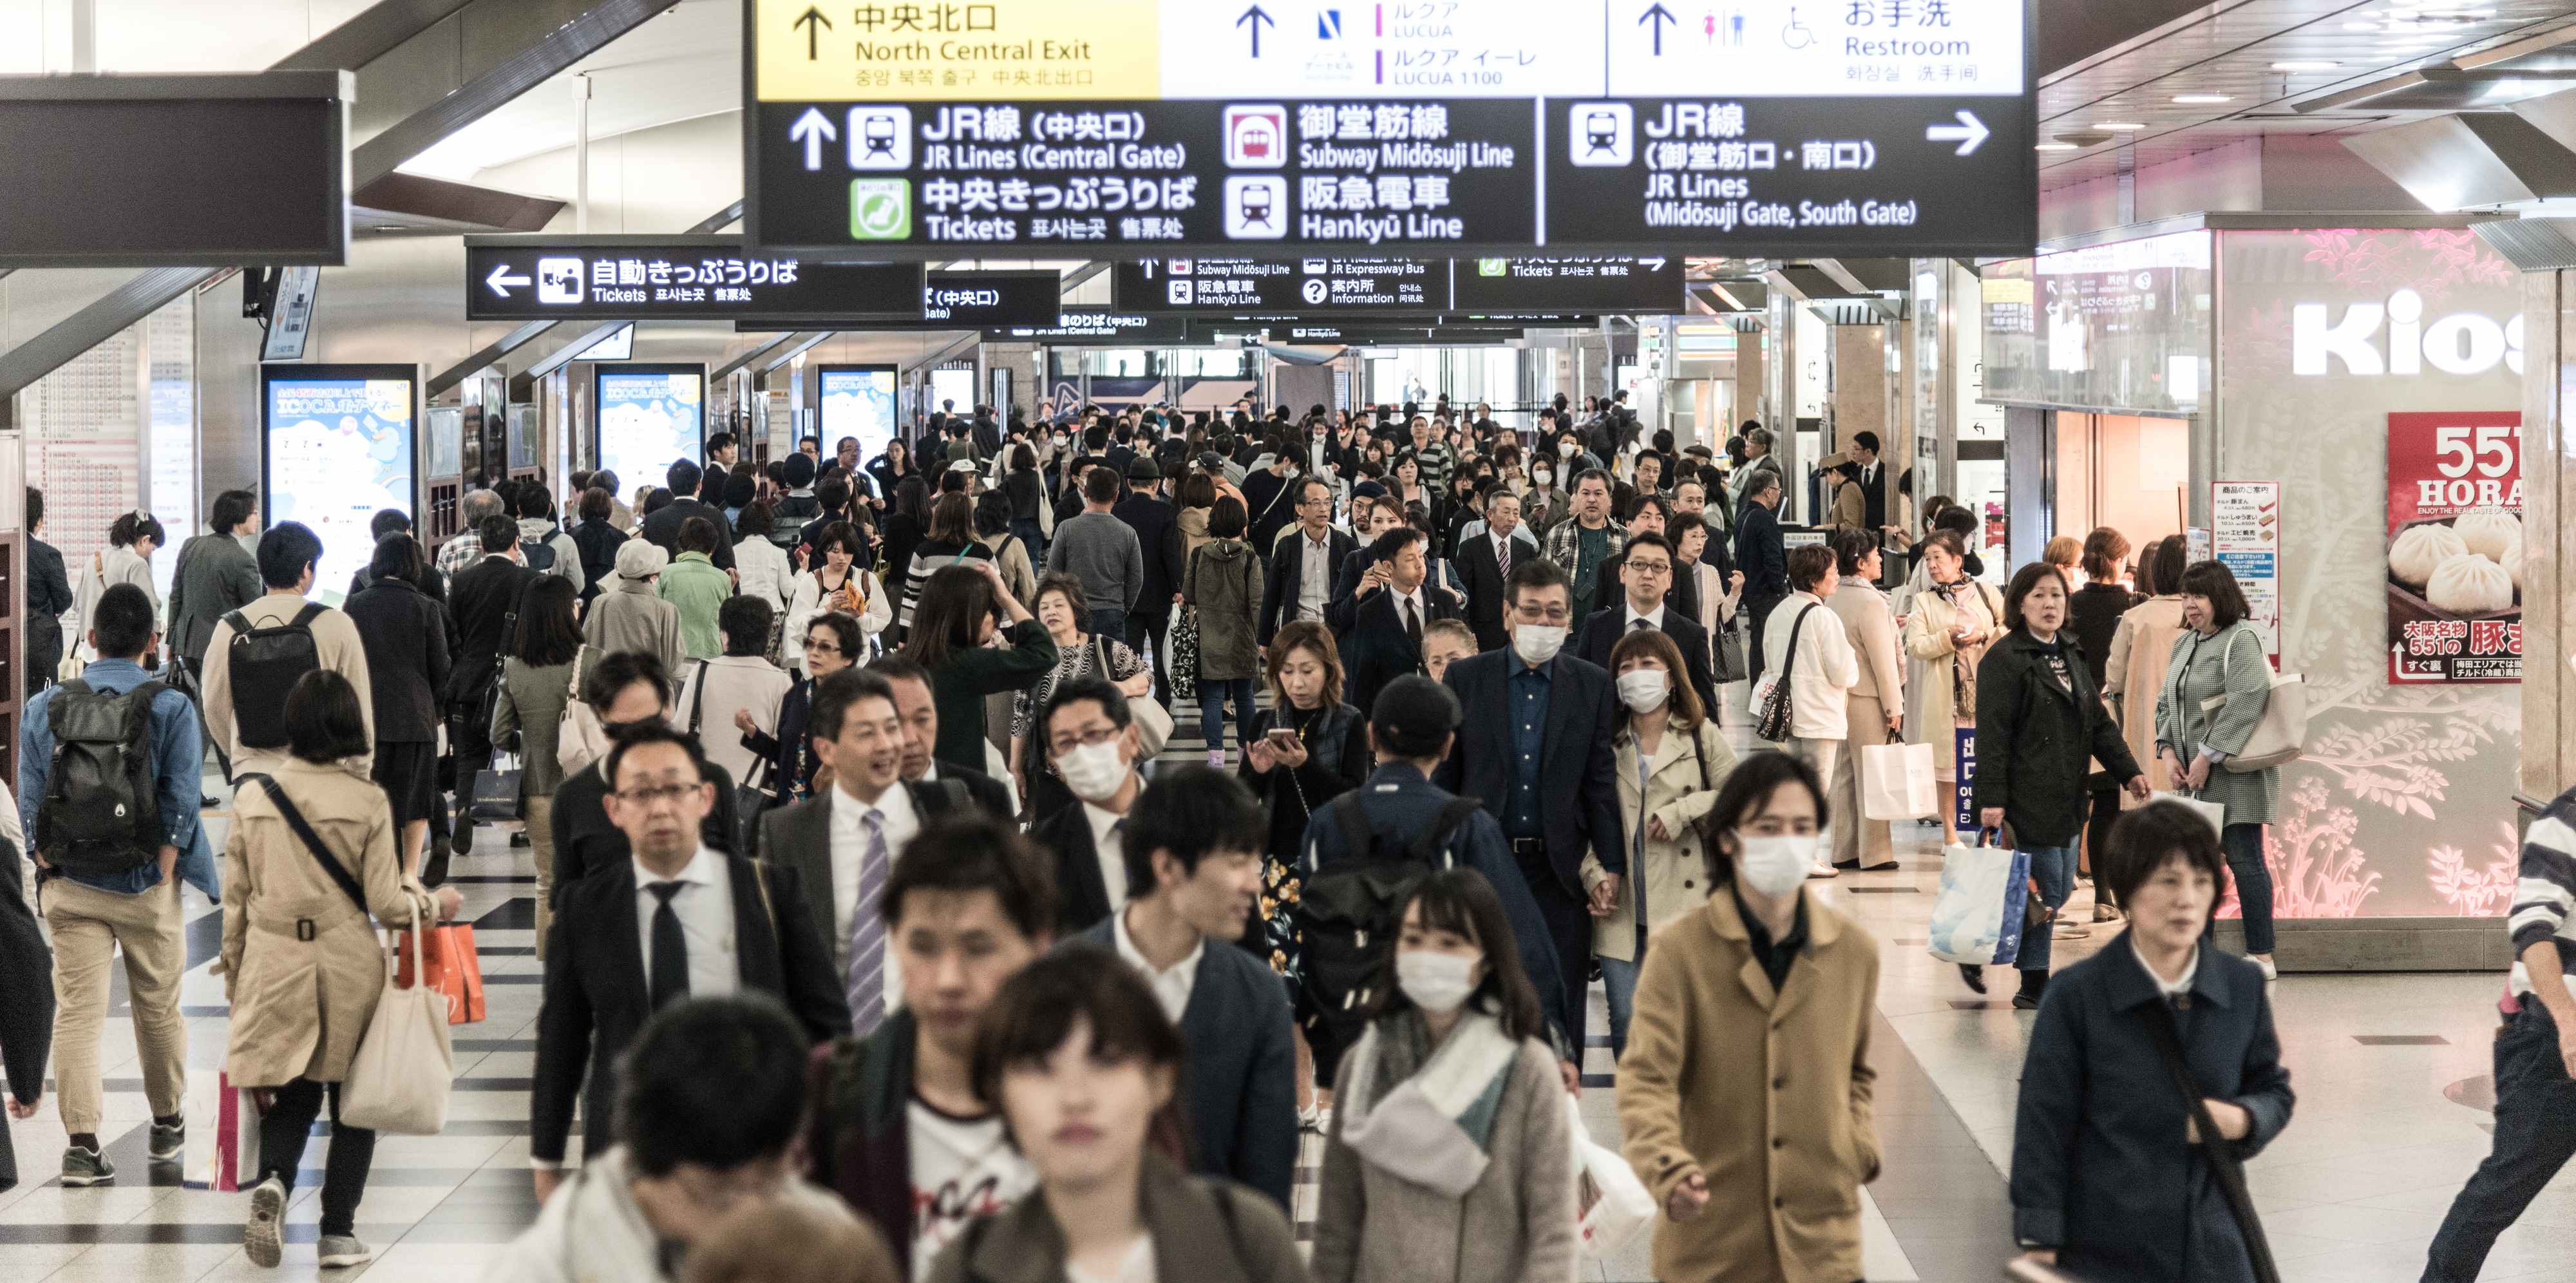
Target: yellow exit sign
809,52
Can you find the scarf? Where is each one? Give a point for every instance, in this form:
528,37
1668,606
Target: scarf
1434,1117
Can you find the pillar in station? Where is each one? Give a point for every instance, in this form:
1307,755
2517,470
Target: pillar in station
1752,353
2548,765
1859,383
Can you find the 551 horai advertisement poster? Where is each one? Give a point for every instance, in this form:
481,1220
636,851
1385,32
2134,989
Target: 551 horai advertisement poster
2455,545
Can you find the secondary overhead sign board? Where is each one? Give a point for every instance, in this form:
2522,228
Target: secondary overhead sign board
1894,127
612,278
1096,326
1330,284
975,300
159,171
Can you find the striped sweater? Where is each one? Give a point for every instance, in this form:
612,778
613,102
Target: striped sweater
2546,891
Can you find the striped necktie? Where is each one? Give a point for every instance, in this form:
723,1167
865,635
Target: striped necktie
867,930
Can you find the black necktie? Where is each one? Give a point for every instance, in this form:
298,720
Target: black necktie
670,962
1413,623
1641,625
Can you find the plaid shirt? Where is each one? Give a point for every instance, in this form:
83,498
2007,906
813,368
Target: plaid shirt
462,549
1565,545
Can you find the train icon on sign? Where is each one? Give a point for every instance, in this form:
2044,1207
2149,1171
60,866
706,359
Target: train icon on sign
1256,208
880,138
1602,133
1256,136
1178,292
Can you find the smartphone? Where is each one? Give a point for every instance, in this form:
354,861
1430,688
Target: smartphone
1282,735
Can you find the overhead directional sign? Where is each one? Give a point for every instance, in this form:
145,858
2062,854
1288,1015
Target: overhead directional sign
1318,285
1883,127
1096,326
515,278
975,300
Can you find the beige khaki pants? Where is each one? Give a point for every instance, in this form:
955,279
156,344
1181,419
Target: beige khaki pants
88,926
539,815
1857,838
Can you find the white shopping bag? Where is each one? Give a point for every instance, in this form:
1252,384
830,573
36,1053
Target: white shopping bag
1610,1203
405,1066
222,1149
2210,811
1896,782
1977,916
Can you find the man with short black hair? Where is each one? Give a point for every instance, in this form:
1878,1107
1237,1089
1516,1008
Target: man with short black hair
1873,480
215,576
482,610
1193,847
116,892
1381,635
722,449
289,555
1299,584
1103,552
1084,728
1158,541
1648,514
679,919
1583,545
1646,568
921,764
1762,553
626,690
663,527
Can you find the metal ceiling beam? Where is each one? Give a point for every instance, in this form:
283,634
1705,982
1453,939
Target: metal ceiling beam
955,346
794,352
378,31
1083,275
524,382
1841,275
721,372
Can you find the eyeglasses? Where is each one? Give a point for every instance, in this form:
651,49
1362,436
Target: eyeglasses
1066,743
1651,567
657,794
824,645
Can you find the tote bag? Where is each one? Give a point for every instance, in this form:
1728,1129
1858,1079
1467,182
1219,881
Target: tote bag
405,1065
1896,781
2282,733
1977,915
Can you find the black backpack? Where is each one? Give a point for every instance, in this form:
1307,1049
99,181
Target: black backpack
788,517
539,552
1347,913
101,814
264,664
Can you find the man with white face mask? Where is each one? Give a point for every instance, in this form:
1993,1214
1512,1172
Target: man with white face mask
1537,749
1084,729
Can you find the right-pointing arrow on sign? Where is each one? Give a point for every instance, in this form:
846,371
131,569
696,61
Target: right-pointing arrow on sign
501,280
1969,132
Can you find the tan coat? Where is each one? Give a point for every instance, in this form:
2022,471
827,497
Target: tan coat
2141,650
1930,716
1766,1096
299,1006
1871,628
1675,870
335,642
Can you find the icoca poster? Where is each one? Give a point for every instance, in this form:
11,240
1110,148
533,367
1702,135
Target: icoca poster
858,402
339,449
2455,543
647,420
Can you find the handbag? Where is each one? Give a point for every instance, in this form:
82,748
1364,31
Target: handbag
1978,914
2210,811
2224,1165
496,792
1896,781
405,1067
1773,716
450,965
2280,734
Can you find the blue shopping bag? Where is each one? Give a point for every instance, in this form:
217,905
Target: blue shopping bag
1977,914
2016,910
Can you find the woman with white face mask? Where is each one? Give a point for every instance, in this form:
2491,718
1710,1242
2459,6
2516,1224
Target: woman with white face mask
1751,1053
1450,1153
1672,760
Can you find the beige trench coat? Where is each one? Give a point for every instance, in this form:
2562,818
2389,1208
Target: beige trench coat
1930,717
1768,1096
2134,674
1676,871
299,1006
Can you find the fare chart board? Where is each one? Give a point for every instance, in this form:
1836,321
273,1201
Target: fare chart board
1334,284
922,130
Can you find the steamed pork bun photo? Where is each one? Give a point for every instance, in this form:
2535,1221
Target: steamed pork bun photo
2472,566
2421,548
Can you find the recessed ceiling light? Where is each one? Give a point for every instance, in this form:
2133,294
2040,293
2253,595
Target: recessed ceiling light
2054,147
2305,66
2201,99
2119,126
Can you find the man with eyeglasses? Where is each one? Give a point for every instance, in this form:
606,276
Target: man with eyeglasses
629,691
1084,727
1300,582
1645,572
678,919
1535,746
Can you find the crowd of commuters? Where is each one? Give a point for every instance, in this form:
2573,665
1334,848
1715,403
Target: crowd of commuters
868,918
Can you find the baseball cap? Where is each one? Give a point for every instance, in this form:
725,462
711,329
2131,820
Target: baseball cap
1413,715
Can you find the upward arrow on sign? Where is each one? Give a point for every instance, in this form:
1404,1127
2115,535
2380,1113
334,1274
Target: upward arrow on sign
812,129
1256,19
1656,18
813,21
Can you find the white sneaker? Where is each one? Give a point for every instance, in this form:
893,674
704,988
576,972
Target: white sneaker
2270,972
264,1236
1824,870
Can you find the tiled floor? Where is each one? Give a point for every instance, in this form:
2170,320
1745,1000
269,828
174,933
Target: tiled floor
2351,1193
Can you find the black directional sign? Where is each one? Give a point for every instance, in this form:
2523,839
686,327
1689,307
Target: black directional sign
1118,128
1099,326
517,278
975,300
1322,285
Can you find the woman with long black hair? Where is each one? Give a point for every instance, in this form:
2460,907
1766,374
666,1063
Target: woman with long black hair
961,607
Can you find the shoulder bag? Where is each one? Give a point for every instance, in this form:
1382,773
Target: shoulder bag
2224,1165
2281,734
1152,721
1773,716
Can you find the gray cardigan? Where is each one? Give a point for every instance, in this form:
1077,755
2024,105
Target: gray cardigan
630,617
2230,664
1373,1226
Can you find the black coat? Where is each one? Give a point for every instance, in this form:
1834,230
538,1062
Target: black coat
481,604
2093,615
1082,899
49,594
2100,1168
598,543
405,635
663,529
1287,567
585,840
1158,532
1268,503
1482,572
1376,649
597,991
1762,553
1579,803
1601,633
2033,736
27,1001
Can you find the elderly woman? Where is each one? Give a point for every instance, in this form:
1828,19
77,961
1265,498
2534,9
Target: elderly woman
1948,626
1078,655
631,616
311,860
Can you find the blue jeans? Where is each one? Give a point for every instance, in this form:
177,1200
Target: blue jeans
1025,529
2244,846
2054,869
1619,980
2535,1134
1109,622
1212,696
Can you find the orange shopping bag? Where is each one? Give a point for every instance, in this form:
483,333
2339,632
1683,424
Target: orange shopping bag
451,967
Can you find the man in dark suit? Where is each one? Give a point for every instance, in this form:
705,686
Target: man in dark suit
842,841
1194,855
663,527
1083,729
1762,553
1646,567
483,606
1873,480
626,689
1158,533
920,714
1371,516
1300,581
678,919
1535,746
722,450
49,594
1484,562
1384,639
1647,514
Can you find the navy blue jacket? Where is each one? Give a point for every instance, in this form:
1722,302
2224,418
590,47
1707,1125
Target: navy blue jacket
1579,808
1761,552
1400,803
2100,1170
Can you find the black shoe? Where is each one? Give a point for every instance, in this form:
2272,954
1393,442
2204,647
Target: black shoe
461,839
520,839
2034,986
1974,975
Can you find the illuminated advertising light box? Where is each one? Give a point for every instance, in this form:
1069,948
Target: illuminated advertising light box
649,416
336,445
858,401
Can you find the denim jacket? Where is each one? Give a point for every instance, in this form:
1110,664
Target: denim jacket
178,754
